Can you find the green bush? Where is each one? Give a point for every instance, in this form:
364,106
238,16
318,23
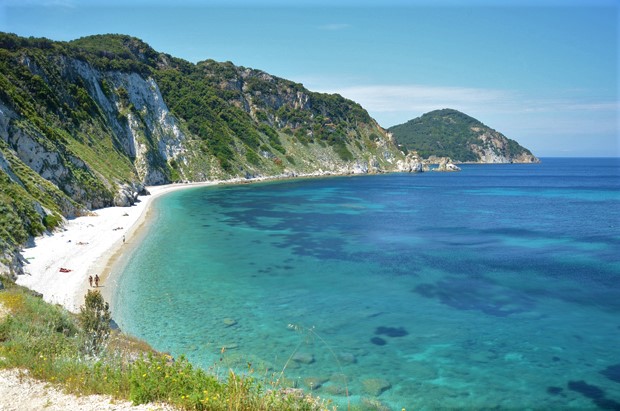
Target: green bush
252,157
343,152
94,318
52,221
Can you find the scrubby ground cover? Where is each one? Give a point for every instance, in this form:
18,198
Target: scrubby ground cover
81,355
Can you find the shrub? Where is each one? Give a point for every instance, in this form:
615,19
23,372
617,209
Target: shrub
94,318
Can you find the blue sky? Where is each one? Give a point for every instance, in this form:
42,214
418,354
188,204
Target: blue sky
544,73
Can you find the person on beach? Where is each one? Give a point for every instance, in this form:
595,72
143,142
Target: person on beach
123,239
90,280
96,280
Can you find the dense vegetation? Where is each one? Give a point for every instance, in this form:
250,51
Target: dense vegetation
450,133
81,355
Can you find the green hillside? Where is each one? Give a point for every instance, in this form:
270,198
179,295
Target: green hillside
87,123
450,133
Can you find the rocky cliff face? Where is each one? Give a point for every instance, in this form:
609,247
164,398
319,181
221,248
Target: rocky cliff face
449,133
89,123
493,147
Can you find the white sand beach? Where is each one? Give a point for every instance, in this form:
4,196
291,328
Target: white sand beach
85,246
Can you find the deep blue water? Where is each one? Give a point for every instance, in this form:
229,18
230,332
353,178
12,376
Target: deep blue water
495,287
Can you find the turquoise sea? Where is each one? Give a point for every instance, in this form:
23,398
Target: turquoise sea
494,288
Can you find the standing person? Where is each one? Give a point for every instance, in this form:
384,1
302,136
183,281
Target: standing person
123,239
96,280
90,280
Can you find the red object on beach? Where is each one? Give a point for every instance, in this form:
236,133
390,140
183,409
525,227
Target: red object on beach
64,270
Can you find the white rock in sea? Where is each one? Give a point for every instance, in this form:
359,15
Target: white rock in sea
445,164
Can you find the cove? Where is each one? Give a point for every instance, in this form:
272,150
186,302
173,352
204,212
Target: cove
497,287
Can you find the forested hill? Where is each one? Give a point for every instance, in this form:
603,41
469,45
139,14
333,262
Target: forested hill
85,124
450,133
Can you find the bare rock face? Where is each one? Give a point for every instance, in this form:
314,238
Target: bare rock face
445,164
493,147
14,264
127,194
411,164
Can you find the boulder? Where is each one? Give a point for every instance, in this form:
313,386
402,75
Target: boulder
303,358
374,405
229,322
375,386
333,389
314,383
347,358
127,194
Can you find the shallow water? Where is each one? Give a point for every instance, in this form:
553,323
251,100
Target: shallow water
498,286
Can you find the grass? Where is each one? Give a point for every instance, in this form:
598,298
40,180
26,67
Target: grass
51,344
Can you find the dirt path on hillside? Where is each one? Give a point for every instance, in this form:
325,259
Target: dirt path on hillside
18,392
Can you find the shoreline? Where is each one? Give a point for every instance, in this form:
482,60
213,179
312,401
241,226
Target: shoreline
87,245
93,244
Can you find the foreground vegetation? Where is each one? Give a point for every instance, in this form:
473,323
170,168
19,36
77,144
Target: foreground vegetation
82,355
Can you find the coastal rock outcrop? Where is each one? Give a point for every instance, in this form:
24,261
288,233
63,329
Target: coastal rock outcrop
127,194
443,164
411,164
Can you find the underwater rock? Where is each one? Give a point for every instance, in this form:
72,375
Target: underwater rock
314,382
335,389
612,372
292,365
378,341
391,331
373,404
303,358
375,386
554,390
229,322
590,391
347,358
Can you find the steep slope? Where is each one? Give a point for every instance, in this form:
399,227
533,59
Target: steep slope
86,124
450,133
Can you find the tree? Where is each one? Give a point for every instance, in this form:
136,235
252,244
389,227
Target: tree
95,319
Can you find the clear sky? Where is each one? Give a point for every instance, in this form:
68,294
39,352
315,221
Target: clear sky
544,73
